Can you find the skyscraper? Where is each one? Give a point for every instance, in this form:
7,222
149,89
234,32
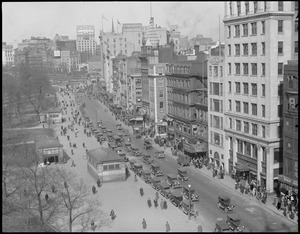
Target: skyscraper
86,43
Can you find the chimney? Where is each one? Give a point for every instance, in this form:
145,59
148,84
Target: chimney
196,47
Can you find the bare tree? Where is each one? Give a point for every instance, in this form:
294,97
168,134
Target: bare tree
76,200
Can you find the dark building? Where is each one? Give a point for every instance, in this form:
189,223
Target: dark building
289,177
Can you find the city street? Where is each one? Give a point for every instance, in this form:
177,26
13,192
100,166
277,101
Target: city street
252,216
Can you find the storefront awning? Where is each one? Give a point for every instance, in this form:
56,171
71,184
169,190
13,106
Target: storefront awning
241,167
286,180
166,118
194,148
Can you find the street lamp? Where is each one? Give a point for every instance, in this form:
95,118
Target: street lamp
189,201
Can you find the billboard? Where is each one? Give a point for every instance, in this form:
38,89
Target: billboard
56,53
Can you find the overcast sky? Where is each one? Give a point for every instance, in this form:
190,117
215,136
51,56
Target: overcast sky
21,20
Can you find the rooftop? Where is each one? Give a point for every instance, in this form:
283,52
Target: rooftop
103,155
47,142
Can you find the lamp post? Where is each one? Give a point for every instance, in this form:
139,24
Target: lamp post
189,201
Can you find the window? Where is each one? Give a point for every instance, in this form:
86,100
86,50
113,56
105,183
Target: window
230,123
229,31
240,146
254,89
161,93
296,6
111,167
263,48
238,125
280,26
263,90
229,105
263,69
161,105
210,70
280,47
245,49
255,7
254,151
230,8
263,28
237,49
254,109
246,88
215,71
263,110
253,29
237,30
296,47
229,50
237,106
237,87
280,68
254,129
221,71
254,69
280,6
245,68
229,68
263,131
247,149
247,7
229,86
254,48
238,5
296,26
245,30
237,69
246,107
246,127
265,6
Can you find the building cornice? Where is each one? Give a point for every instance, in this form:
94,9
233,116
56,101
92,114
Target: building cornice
253,119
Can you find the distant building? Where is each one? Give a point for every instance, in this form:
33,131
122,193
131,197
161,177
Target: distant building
49,150
7,55
106,165
204,42
289,178
53,115
94,64
175,38
85,41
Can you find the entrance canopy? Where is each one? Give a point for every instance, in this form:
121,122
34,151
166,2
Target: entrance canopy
242,167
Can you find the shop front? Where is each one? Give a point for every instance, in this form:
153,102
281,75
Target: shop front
287,185
49,150
195,150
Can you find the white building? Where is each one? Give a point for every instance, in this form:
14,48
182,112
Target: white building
258,42
7,54
85,41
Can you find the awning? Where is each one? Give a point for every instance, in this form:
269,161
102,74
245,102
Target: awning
241,167
137,119
166,118
286,180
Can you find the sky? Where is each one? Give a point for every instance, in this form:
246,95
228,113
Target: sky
21,20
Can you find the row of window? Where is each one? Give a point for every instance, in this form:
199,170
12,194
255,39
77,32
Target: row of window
216,138
246,88
216,88
253,69
179,83
111,167
216,105
245,127
186,112
215,74
253,49
246,108
178,69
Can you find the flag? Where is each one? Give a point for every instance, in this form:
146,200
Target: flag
118,22
104,17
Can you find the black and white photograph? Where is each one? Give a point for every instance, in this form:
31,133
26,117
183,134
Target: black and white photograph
150,116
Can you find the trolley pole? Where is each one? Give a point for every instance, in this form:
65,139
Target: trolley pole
189,201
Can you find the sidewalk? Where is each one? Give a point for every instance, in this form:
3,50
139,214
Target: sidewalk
228,182
123,196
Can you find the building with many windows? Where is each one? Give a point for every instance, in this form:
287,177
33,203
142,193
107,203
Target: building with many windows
216,119
7,54
289,177
85,41
187,104
257,45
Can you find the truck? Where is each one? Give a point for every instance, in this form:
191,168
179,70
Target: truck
183,160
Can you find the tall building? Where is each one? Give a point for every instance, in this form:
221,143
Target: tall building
257,45
216,119
175,37
187,104
289,176
85,41
7,54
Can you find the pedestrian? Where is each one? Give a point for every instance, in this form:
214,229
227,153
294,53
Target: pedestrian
83,144
68,137
144,224
199,228
165,204
46,197
141,191
112,215
149,202
73,164
155,202
72,152
168,227
162,204
156,195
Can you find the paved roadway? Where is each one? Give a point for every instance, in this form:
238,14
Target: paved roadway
252,216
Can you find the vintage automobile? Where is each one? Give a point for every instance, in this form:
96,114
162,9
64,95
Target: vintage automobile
175,197
155,182
118,150
123,155
164,189
131,163
110,137
104,129
155,170
159,154
112,146
125,132
222,226
119,126
135,151
99,124
182,174
234,222
183,160
186,206
147,159
128,146
121,135
147,144
138,134
224,203
186,190
117,140
172,181
146,175
109,131
138,168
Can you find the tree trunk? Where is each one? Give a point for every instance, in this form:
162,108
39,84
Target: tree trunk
40,208
70,220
